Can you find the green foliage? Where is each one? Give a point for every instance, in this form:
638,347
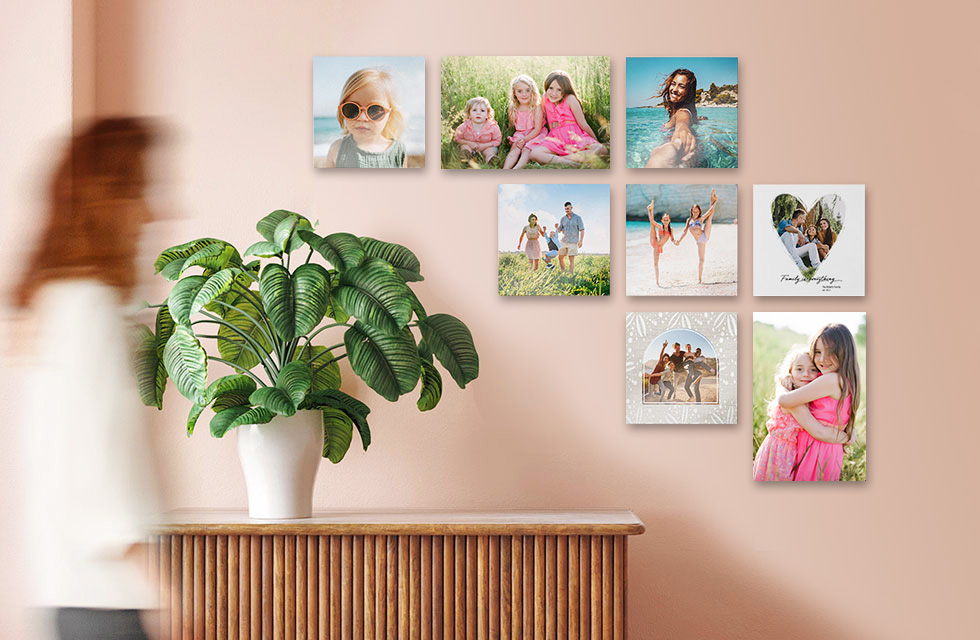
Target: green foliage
515,277
769,346
266,316
465,77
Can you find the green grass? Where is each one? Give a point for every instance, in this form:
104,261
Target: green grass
769,347
466,77
516,278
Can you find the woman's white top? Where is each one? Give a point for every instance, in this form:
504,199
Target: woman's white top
90,492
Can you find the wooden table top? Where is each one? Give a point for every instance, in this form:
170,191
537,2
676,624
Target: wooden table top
407,522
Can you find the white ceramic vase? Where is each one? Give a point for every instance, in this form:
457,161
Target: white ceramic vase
280,460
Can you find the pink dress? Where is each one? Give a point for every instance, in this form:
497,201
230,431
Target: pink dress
533,248
566,136
524,124
777,454
489,132
822,460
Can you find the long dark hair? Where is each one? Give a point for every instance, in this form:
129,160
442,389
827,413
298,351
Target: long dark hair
839,342
564,81
689,99
87,233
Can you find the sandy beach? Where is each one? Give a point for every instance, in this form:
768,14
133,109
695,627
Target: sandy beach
709,392
679,265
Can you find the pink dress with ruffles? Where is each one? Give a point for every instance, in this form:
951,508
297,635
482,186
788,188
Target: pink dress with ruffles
822,460
777,453
524,124
566,136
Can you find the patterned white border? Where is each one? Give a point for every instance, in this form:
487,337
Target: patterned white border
721,329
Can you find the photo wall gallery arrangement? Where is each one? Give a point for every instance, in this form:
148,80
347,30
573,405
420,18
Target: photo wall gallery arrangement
681,236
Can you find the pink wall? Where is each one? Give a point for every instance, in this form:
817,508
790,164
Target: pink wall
829,95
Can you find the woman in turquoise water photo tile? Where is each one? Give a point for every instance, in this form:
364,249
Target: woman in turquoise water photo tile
681,113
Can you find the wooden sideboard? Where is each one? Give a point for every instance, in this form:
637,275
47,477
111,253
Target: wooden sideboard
397,575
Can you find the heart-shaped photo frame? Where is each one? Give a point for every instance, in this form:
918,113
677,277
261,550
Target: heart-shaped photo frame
808,233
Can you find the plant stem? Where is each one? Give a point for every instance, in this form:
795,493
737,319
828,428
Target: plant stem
268,364
244,344
258,306
320,355
235,366
255,322
310,337
309,256
328,363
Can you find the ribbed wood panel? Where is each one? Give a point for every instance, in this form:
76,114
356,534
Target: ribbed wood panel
374,587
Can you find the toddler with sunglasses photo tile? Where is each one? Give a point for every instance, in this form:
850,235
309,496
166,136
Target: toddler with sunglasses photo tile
371,122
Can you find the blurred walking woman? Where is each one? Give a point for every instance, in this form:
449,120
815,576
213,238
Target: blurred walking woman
89,493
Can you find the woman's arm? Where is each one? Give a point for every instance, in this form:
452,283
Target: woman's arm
576,107
683,132
825,385
815,428
523,231
678,241
538,124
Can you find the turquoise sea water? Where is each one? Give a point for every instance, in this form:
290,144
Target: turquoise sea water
718,135
637,225
326,130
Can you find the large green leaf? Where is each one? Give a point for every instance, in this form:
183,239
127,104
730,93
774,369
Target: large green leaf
267,225
277,296
182,297
233,417
230,391
342,250
186,363
164,329
311,296
215,287
451,342
324,376
264,249
145,364
389,364
405,263
337,434
213,257
431,387
356,410
274,399
170,263
285,233
195,413
374,294
294,378
231,345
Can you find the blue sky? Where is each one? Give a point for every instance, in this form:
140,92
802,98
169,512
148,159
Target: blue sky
644,76
808,323
515,202
684,336
331,72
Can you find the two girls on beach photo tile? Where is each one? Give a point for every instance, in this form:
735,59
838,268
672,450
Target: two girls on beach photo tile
681,113
681,240
553,239
809,408
531,112
368,112
681,368
808,240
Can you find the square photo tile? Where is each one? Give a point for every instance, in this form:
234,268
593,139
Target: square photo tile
681,240
368,112
808,240
553,239
682,113
681,368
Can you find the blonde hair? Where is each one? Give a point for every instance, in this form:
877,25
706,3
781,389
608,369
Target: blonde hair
478,100
365,77
529,81
784,372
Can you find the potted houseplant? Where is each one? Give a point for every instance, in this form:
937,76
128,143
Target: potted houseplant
283,393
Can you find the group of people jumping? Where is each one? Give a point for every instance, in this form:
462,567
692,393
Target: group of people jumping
665,378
